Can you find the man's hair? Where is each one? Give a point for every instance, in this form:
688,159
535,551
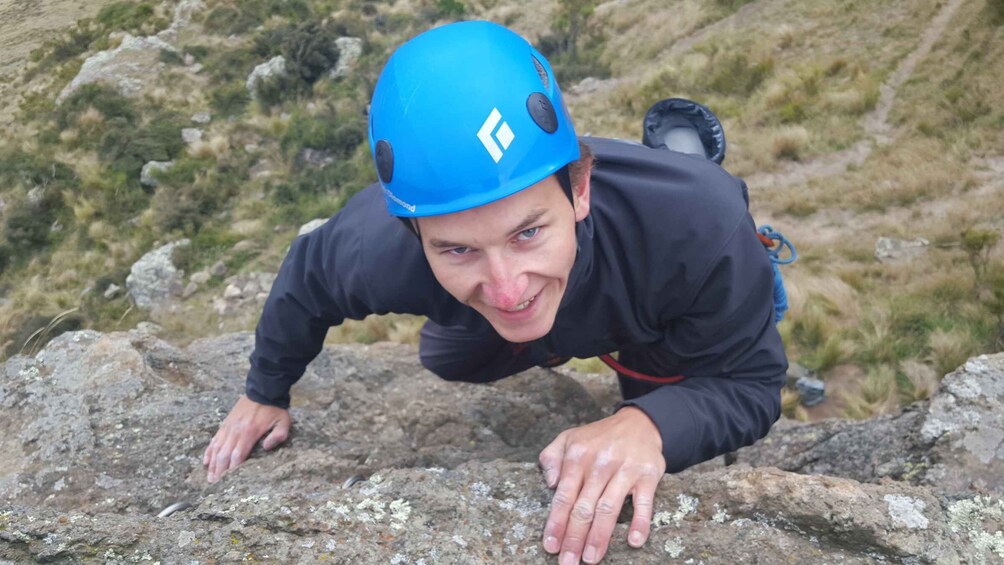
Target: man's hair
578,169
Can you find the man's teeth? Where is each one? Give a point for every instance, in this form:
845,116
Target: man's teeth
523,305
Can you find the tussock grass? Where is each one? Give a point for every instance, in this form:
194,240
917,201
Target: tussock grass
878,394
922,377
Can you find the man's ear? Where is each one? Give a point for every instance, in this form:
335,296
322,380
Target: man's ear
580,197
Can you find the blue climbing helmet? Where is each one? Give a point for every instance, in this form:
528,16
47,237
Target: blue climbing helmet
463,115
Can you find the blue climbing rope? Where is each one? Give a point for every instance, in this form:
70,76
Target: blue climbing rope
778,245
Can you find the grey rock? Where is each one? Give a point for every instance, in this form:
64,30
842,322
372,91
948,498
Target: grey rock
219,269
262,168
112,291
202,117
103,431
241,294
183,13
311,226
154,279
314,158
35,195
889,250
191,135
201,277
244,245
149,328
189,59
190,289
966,423
349,50
232,291
127,68
954,442
274,67
147,176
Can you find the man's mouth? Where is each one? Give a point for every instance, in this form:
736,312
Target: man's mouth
524,305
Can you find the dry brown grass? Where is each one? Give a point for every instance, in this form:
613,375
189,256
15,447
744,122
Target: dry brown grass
923,379
876,395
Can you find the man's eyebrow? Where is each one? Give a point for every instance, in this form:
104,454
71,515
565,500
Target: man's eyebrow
532,218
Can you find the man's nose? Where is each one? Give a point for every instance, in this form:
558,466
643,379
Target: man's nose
505,282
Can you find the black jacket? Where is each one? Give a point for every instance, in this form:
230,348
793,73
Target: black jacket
669,272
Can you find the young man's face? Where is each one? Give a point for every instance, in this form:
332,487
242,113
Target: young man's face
509,259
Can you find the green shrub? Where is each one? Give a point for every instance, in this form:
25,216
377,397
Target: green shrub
103,98
450,9
170,57
732,73
228,20
309,51
324,133
229,99
231,65
187,206
125,16
127,148
28,225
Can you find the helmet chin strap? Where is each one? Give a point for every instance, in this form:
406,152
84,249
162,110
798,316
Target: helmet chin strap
565,180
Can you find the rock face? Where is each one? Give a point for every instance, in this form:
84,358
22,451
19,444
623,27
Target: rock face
954,443
154,280
102,432
129,67
126,68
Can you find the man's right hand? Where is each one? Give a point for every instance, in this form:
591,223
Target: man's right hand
247,422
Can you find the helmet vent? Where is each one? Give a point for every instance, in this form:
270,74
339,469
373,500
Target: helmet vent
542,73
385,161
542,112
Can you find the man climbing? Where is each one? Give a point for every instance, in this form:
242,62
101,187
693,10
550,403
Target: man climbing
524,246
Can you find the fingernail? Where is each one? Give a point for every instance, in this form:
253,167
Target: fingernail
569,558
589,555
552,479
551,544
636,539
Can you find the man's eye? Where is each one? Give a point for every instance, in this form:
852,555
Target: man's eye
527,234
459,251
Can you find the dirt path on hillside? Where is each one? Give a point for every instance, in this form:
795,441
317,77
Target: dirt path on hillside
875,123
25,25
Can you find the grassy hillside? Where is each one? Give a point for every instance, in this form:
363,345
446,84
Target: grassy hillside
849,121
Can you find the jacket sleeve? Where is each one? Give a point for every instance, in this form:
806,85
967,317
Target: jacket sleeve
726,343
353,266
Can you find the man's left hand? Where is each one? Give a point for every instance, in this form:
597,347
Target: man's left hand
593,469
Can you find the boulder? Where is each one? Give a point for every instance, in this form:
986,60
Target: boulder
311,226
112,291
147,176
104,432
349,50
153,281
191,135
127,68
889,250
274,67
